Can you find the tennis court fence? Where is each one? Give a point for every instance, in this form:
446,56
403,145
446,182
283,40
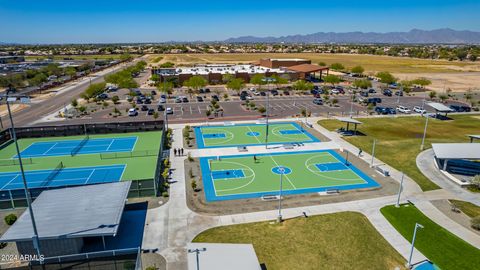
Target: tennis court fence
115,155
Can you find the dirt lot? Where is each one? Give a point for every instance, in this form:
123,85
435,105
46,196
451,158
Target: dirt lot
457,81
196,200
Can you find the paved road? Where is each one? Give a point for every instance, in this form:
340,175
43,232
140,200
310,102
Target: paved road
35,111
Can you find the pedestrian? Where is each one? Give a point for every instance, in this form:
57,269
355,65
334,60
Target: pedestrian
360,151
175,151
182,151
255,158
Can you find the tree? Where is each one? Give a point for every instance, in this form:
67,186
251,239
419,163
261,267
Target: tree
337,66
227,77
358,70
363,84
476,181
473,57
74,103
333,79
279,81
236,85
262,110
194,185
468,95
155,115
443,97
165,87
258,80
115,99
94,89
155,78
195,82
432,94
406,86
386,77
323,64
302,85
70,71
422,82
167,65
303,112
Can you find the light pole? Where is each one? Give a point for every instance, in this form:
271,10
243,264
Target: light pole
424,132
281,170
373,152
197,252
36,241
267,80
417,225
397,205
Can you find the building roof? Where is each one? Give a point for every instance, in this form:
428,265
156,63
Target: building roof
349,120
307,68
221,69
223,256
439,107
473,136
456,150
287,59
93,210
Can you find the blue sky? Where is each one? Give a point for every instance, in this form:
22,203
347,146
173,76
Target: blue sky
104,21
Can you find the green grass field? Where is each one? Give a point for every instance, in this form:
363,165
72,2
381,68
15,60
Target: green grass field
399,139
250,134
467,208
335,241
439,245
137,168
235,177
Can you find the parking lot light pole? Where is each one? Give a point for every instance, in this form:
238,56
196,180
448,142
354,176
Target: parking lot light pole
197,252
36,241
424,132
417,225
281,170
397,205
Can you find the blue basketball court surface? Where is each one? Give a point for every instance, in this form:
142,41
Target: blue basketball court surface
64,177
66,147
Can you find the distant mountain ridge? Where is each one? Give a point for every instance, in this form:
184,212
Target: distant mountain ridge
414,36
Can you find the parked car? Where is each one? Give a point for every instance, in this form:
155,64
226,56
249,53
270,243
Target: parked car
399,93
255,92
286,92
372,91
169,110
381,110
162,100
459,108
243,93
132,112
262,93
153,93
419,109
243,97
199,99
335,91
274,92
387,92
163,96
466,109
148,101
207,90
150,111
139,101
144,108
129,98
184,99
215,97
403,109
178,100
201,91
391,110
160,108
375,100
318,101
102,96
364,94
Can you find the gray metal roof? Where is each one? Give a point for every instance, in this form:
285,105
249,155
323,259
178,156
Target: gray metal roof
93,210
348,120
223,256
439,107
457,150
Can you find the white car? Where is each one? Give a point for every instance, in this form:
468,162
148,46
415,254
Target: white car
132,112
255,92
403,109
249,98
162,100
335,91
169,110
419,109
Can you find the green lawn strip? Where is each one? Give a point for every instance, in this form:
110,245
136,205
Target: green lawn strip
467,208
439,245
136,167
399,139
344,240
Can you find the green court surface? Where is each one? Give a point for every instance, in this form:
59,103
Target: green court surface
251,134
240,177
140,160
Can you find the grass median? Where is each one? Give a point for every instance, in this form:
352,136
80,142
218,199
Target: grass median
399,139
344,240
439,245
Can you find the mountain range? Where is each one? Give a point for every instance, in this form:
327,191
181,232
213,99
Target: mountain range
414,36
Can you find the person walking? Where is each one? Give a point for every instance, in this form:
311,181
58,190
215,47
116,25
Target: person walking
360,151
182,151
175,151
255,158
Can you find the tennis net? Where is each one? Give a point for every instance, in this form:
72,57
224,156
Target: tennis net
54,173
15,161
79,146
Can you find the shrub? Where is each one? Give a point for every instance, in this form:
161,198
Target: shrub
3,245
165,194
151,268
194,185
10,219
475,223
189,157
190,172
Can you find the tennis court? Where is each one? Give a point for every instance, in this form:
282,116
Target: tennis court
251,134
62,176
253,176
78,147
